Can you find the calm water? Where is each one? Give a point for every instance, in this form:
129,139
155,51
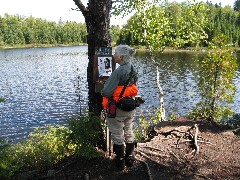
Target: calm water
49,85
178,73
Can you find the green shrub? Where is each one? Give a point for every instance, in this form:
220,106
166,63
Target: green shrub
145,122
48,145
40,150
233,121
2,100
215,82
85,134
3,153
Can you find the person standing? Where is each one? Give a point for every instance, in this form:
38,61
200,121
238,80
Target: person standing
121,126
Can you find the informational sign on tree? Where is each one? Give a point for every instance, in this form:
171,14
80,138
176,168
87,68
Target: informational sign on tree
103,51
103,66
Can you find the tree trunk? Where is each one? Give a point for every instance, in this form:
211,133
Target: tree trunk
97,18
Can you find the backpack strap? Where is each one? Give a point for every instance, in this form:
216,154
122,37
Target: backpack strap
127,82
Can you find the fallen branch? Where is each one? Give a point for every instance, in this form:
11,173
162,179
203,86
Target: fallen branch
180,134
199,141
152,148
156,154
168,133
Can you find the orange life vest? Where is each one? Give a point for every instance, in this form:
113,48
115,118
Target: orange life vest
131,90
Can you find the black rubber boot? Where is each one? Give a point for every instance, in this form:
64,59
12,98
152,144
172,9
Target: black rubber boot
119,160
129,157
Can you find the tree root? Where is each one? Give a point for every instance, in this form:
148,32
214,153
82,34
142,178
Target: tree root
195,139
191,134
152,148
156,154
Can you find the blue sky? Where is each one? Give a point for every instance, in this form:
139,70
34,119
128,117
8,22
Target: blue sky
53,10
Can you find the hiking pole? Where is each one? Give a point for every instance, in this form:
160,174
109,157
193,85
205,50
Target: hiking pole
109,142
107,133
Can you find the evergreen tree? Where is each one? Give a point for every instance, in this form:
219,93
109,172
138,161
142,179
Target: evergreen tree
17,30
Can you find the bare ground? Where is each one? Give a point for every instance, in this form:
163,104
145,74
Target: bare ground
180,149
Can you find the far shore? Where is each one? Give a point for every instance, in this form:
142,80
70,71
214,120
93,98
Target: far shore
40,46
139,48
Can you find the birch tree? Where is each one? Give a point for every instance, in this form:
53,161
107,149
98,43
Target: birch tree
156,28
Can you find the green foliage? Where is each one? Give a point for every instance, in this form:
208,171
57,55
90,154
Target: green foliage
158,25
115,33
3,153
216,82
125,7
172,117
186,24
17,30
48,145
223,21
141,130
2,99
85,134
234,121
39,151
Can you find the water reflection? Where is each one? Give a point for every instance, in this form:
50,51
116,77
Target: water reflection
177,77
39,88
49,85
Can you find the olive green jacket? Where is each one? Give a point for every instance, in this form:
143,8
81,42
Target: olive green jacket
118,78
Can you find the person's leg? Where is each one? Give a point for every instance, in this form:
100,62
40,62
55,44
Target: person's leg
128,126
129,154
129,138
119,159
115,126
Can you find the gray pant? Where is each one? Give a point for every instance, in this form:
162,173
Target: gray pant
121,127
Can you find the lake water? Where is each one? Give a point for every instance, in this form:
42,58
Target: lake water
49,85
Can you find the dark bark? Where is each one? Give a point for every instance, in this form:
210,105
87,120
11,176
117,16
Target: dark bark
97,18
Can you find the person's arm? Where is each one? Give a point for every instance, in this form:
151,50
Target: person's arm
135,76
110,85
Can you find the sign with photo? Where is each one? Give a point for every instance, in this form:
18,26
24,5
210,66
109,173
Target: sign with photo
104,66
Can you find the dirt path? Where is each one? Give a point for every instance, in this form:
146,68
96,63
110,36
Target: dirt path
169,155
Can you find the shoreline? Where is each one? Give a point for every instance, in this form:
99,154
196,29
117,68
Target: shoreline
139,48
40,46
